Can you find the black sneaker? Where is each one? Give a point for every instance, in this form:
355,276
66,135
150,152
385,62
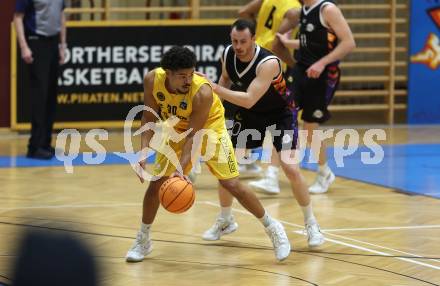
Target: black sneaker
40,154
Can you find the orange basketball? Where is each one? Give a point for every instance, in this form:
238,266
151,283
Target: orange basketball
176,195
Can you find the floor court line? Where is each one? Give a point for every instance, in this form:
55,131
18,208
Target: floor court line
341,242
380,253
72,206
371,250
79,206
285,222
372,244
382,228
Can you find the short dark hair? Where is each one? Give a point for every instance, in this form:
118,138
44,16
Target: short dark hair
178,58
243,24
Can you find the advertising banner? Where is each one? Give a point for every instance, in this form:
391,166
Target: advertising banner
105,64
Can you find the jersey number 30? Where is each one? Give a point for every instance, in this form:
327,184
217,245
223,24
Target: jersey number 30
172,109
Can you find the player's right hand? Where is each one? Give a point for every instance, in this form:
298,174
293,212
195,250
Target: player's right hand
26,55
182,176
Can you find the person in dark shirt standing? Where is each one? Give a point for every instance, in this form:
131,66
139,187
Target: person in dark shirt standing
41,34
324,38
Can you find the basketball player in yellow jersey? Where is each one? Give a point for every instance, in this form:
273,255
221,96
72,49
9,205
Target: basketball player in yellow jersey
272,17
174,91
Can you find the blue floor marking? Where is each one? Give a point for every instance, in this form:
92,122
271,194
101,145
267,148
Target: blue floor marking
413,168
22,161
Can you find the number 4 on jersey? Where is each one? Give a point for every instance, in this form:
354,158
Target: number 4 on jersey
269,21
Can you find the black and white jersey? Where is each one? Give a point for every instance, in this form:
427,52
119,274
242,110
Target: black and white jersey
315,38
242,74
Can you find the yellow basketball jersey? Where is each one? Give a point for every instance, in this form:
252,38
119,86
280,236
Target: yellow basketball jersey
269,19
180,105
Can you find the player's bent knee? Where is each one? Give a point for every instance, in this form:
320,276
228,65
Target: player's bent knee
292,173
232,186
229,184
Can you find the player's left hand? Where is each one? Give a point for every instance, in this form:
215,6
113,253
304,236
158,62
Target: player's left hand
315,70
182,176
284,38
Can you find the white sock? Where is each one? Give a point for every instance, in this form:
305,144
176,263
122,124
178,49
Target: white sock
324,169
145,228
266,220
226,212
309,217
272,172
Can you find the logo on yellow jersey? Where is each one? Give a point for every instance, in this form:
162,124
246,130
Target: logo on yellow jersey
183,105
160,96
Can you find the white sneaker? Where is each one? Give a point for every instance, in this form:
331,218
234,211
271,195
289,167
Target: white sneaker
314,235
279,239
268,185
142,246
249,170
220,227
322,183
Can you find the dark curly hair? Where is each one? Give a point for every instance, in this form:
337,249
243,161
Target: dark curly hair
178,58
243,24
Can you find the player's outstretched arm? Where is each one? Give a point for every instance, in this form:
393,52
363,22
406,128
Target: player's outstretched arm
147,117
279,48
258,87
287,41
250,10
336,22
201,107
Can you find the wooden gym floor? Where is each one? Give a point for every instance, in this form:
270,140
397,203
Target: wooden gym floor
375,235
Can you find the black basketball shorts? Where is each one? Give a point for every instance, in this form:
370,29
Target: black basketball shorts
312,95
249,128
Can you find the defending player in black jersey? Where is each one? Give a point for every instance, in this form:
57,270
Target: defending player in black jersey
252,79
324,38
272,16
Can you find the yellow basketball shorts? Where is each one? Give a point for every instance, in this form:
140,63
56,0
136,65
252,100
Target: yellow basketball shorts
212,147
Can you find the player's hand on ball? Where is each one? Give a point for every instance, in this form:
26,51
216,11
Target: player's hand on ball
182,176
